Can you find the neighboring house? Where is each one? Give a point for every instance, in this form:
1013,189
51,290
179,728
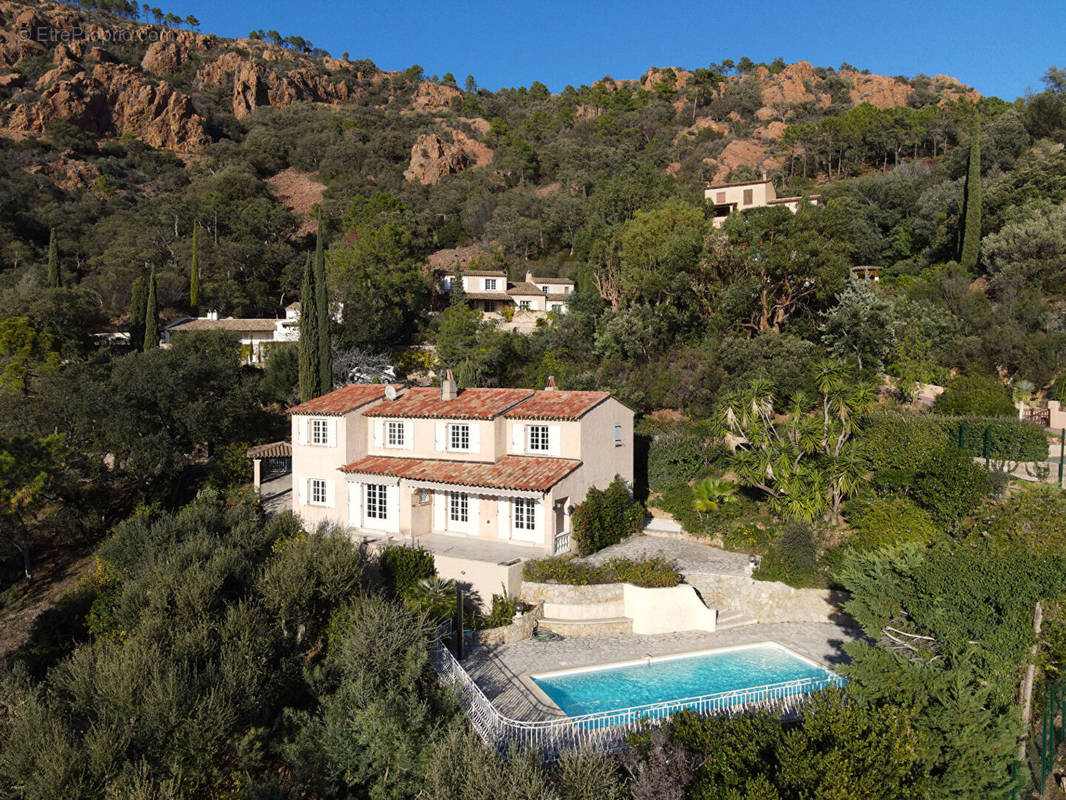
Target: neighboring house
489,292
495,465
256,335
740,196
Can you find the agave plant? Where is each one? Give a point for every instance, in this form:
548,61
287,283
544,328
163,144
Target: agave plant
710,494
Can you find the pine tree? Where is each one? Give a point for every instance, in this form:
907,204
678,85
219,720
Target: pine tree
325,352
970,243
151,316
309,366
194,272
458,293
138,304
54,277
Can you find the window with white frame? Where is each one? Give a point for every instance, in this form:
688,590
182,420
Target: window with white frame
319,493
459,507
538,438
375,501
544,289
459,437
394,434
320,431
524,511
617,435
524,305
490,284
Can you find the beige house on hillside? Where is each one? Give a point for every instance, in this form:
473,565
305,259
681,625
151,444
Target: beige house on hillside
490,292
255,334
740,196
488,466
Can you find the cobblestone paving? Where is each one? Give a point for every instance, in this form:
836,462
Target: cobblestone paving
498,670
687,556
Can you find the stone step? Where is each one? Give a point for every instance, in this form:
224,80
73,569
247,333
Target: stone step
603,626
728,618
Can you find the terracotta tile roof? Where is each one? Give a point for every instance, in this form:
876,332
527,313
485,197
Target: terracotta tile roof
470,404
562,281
228,324
510,472
737,183
503,297
271,450
484,273
796,199
524,288
559,296
557,405
341,401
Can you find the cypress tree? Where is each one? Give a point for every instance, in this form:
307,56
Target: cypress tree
138,304
194,272
970,243
54,277
151,316
458,293
325,351
309,367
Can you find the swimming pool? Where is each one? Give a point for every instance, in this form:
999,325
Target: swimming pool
682,680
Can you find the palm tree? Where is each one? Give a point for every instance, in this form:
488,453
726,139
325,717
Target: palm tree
710,494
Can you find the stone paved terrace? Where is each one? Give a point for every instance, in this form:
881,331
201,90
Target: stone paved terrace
688,556
499,670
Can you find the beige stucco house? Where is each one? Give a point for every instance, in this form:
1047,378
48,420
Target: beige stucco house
742,195
490,292
487,466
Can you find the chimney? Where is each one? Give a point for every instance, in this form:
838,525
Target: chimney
448,389
551,387
212,315
529,276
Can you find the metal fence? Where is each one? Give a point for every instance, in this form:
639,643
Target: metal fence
1032,775
607,730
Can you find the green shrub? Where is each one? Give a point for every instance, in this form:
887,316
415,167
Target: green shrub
948,484
884,521
677,456
504,607
403,567
606,517
1033,518
793,558
976,395
648,572
230,467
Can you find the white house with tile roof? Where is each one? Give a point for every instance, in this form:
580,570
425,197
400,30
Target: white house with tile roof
485,465
490,292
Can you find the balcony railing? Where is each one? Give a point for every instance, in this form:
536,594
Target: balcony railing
562,544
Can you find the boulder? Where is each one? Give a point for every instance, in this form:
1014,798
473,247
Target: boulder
432,157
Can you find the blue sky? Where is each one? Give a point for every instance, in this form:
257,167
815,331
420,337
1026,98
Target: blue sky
999,48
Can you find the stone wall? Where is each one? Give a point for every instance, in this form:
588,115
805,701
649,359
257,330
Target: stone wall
769,601
663,610
521,628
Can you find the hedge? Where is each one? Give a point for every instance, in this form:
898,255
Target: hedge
651,573
893,437
605,518
403,567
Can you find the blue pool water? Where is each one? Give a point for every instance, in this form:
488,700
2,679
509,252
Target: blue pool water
586,692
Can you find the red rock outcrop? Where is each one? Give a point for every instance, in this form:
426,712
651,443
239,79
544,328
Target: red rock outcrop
67,171
432,157
431,97
878,90
796,84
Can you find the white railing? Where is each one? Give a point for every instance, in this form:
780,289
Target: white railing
607,730
562,544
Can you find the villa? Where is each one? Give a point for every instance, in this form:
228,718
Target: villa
486,466
255,334
742,195
516,306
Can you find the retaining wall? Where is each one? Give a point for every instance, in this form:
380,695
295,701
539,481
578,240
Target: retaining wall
521,628
666,610
769,601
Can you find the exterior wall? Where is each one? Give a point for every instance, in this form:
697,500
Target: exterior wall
481,579
317,461
424,440
602,459
537,302
761,194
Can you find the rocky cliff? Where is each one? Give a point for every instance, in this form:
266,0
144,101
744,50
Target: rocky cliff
113,77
